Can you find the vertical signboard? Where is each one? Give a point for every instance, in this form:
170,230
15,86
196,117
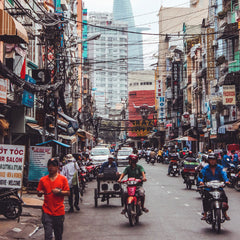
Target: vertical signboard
84,35
28,98
38,158
229,95
11,165
210,55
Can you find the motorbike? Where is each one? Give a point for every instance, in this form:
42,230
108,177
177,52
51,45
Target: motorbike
215,216
133,201
165,160
10,203
147,159
190,178
159,159
237,179
92,171
231,173
174,168
152,160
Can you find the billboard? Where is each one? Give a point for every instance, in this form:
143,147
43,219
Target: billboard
11,165
38,158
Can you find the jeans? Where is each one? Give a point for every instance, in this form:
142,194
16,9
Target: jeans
52,223
73,190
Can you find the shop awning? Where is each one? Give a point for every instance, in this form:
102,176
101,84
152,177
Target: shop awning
72,139
55,141
82,133
11,31
39,129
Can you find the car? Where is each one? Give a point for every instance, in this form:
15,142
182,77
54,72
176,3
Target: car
127,148
99,155
122,157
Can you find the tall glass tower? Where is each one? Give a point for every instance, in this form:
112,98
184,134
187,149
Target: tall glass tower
122,11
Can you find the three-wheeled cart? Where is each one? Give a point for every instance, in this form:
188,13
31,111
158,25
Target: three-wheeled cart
107,187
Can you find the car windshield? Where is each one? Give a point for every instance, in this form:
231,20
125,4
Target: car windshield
100,151
124,153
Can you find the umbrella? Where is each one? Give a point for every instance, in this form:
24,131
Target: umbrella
186,138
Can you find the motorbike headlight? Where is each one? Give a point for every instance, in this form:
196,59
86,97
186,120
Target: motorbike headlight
216,195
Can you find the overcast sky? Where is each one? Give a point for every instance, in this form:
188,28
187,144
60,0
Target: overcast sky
145,15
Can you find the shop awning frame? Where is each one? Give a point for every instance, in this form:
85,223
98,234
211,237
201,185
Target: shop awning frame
11,31
55,141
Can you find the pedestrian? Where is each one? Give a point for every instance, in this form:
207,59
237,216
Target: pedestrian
54,187
70,171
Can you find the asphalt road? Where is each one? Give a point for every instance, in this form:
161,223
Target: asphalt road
174,213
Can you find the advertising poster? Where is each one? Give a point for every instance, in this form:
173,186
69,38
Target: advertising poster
11,165
38,158
229,95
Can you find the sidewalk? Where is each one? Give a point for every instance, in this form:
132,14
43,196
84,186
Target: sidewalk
29,222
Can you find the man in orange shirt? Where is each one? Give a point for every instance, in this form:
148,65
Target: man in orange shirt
54,187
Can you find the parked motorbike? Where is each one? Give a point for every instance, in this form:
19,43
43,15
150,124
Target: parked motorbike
92,171
133,201
10,203
215,216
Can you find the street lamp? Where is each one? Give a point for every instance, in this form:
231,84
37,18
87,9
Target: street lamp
90,38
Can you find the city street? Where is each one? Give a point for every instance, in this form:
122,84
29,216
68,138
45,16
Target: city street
174,213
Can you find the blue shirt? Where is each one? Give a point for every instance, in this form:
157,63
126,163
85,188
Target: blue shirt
225,161
235,159
106,165
208,176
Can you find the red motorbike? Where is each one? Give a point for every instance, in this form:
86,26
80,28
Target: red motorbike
133,201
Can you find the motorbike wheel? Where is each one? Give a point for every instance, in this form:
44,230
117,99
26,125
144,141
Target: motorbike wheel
218,219
96,197
122,200
13,208
213,222
237,185
131,216
138,213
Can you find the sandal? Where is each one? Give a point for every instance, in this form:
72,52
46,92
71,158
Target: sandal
123,211
145,210
227,218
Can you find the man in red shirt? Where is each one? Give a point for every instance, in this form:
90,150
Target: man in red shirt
54,187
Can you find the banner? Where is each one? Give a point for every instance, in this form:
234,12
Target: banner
38,158
11,165
229,95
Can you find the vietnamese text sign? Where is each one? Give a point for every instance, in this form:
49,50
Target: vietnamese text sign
210,55
11,165
229,95
38,158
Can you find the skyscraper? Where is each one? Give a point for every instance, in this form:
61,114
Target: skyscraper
122,10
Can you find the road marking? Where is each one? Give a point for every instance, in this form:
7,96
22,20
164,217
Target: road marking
86,203
177,198
186,205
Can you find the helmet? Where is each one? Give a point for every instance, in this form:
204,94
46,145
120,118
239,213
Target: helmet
110,156
212,156
133,158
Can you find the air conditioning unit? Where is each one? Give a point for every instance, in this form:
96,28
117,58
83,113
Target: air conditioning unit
214,43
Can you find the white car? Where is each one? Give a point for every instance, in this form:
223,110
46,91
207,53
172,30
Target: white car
122,157
99,155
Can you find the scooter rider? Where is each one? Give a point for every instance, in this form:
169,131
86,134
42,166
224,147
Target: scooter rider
211,172
225,160
134,171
